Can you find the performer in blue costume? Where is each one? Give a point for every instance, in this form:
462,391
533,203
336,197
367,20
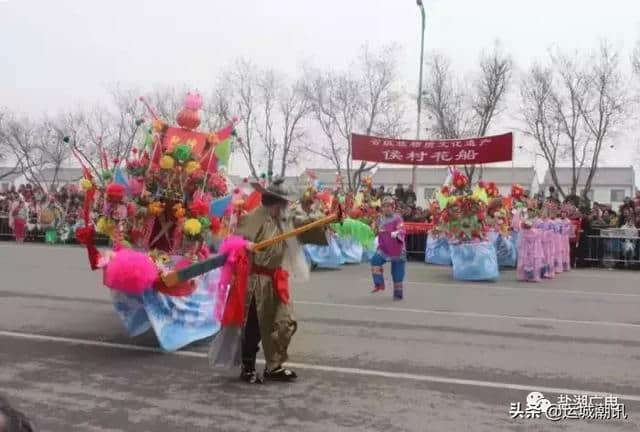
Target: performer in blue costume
391,247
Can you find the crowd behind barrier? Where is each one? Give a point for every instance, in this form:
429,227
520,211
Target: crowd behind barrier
601,236
50,216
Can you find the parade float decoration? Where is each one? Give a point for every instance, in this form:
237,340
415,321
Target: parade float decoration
463,220
160,207
437,250
315,201
499,223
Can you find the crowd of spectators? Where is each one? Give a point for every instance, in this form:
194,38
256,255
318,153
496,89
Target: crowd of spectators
406,203
57,207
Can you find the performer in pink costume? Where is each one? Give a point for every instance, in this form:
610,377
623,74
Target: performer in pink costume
530,254
546,235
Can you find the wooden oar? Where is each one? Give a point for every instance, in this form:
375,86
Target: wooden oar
216,261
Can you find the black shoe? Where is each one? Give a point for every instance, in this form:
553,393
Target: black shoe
280,374
250,376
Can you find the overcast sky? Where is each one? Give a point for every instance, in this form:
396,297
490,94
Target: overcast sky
57,53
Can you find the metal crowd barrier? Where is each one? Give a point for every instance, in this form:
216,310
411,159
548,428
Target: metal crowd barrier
416,244
612,251
416,239
6,233
37,236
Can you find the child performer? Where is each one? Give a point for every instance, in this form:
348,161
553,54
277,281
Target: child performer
391,247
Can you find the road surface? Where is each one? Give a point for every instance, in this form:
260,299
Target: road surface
451,357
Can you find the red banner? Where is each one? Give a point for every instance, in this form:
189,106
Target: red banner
467,151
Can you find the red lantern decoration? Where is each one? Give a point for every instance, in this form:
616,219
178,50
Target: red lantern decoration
189,117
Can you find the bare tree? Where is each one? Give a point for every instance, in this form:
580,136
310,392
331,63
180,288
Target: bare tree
570,106
566,98
106,133
459,110
271,110
446,100
538,114
6,155
218,112
605,107
167,101
294,108
268,87
37,147
365,98
242,97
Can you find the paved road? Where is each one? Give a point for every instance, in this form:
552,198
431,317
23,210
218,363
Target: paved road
450,357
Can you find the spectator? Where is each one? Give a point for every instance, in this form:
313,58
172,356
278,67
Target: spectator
626,215
410,196
553,195
399,194
18,219
380,192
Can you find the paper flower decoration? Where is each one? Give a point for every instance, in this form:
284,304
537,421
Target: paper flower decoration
159,126
517,191
166,162
215,224
205,222
192,227
178,211
86,184
115,192
105,226
199,207
191,167
492,190
182,152
132,209
460,181
156,208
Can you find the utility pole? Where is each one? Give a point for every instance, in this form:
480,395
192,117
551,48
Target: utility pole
419,99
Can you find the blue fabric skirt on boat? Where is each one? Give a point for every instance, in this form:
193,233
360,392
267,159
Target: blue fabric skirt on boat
437,251
350,249
328,257
176,321
474,261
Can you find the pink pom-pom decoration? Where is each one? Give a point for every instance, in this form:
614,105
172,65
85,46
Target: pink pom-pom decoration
193,101
130,272
231,244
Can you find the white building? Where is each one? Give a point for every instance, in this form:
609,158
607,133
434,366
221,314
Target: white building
47,177
610,185
428,180
61,177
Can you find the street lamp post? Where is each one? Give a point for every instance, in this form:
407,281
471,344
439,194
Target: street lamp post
419,99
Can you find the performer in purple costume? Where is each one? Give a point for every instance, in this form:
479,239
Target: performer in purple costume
391,247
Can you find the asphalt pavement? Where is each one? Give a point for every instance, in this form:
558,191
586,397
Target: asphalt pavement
450,357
